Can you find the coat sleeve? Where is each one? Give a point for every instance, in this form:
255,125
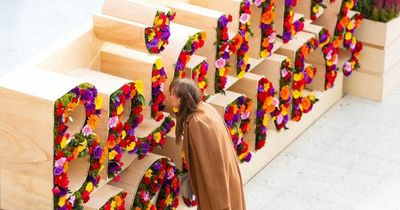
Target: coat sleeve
211,162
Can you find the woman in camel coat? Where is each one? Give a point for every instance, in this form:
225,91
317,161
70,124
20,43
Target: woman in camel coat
211,158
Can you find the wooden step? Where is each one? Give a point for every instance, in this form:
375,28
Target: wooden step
120,31
125,9
305,7
130,64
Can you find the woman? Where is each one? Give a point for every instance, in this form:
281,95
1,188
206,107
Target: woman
212,162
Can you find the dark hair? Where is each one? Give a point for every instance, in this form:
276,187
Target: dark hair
190,95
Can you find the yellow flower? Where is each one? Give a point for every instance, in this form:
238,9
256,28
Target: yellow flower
347,36
151,35
311,97
123,134
157,137
101,168
158,64
112,155
82,146
61,201
169,200
98,102
202,84
264,53
131,146
139,86
265,120
89,187
297,77
246,58
63,142
113,205
241,74
120,109
148,173
296,94
175,109
316,9
222,72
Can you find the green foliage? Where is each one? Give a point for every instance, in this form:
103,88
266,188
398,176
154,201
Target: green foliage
379,10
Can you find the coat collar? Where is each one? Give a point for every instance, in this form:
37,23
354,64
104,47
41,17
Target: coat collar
189,117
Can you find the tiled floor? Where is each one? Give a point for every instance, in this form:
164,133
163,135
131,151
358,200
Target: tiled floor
348,159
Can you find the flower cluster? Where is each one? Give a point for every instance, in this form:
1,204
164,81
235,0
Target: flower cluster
156,37
291,27
161,177
200,72
226,48
157,91
122,134
68,147
280,116
266,104
315,7
115,203
243,65
237,118
331,56
344,32
301,76
267,26
194,43
156,138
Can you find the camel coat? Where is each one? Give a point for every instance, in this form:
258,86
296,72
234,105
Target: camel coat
213,165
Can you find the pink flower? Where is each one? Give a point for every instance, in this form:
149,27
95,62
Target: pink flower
284,72
347,66
60,162
329,55
272,38
72,199
87,130
275,102
112,122
279,119
245,115
244,18
220,63
257,2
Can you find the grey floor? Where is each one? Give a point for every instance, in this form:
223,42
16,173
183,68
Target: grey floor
348,159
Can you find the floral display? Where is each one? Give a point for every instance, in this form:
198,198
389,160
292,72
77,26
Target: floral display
69,147
237,118
156,37
226,48
122,134
194,43
344,33
291,27
115,203
189,201
331,57
267,26
160,178
156,138
302,76
266,104
157,91
200,73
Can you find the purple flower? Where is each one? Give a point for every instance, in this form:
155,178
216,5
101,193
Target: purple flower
223,21
153,43
113,167
76,90
179,66
145,147
288,3
287,36
165,33
225,56
98,151
259,113
87,95
157,166
131,132
263,129
58,171
248,157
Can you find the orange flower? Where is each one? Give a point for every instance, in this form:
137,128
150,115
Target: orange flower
118,200
285,93
310,72
111,144
265,42
268,17
306,103
75,152
93,121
